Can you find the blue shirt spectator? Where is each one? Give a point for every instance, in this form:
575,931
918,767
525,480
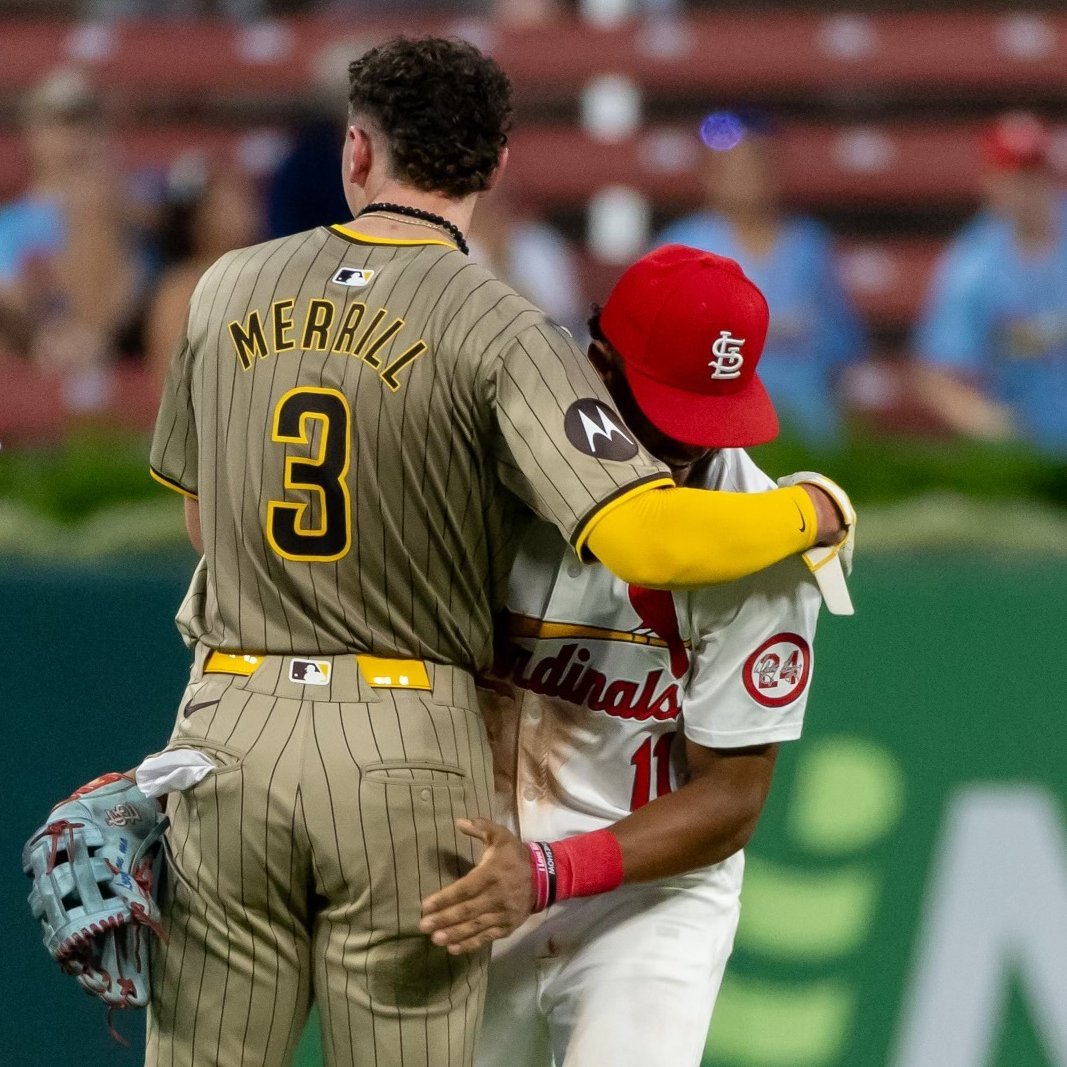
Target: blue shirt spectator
31,227
996,315
68,275
814,331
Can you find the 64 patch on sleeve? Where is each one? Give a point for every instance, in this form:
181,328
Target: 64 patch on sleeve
778,671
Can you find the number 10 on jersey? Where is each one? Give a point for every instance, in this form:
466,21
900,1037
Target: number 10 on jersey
651,753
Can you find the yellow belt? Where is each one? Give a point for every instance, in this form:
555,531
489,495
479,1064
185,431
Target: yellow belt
377,672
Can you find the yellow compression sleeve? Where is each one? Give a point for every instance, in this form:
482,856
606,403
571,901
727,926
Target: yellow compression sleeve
676,538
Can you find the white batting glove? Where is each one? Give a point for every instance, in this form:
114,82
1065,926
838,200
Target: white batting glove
831,564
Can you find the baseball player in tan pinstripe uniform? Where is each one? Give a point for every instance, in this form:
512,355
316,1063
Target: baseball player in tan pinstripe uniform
362,420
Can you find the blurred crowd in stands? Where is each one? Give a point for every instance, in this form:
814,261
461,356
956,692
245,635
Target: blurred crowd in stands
97,265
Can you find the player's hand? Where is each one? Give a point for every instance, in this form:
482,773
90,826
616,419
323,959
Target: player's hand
829,522
831,559
488,902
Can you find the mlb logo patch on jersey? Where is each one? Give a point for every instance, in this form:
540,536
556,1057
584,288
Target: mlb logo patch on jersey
309,671
356,277
778,671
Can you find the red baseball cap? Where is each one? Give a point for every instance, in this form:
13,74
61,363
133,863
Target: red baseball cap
1016,141
690,328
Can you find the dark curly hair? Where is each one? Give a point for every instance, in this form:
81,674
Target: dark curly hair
443,107
596,332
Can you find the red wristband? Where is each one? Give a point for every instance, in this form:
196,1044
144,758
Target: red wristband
587,864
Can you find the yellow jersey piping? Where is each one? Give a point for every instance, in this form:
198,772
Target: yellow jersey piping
366,238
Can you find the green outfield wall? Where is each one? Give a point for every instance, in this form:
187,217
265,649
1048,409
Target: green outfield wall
905,902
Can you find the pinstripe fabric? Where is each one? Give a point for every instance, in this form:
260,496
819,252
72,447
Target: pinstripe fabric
477,410
364,425
300,865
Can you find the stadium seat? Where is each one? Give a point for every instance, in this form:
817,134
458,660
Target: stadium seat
154,148
560,166
41,408
821,165
811,54
889,278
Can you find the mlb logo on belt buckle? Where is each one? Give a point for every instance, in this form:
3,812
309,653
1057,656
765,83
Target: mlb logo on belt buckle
309,671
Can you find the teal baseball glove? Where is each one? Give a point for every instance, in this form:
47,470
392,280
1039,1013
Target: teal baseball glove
92,870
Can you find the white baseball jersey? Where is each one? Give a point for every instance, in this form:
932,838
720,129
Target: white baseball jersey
607,679
609,674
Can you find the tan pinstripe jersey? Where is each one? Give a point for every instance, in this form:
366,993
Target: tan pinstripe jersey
364,423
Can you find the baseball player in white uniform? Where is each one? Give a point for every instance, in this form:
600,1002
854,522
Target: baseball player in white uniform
635,731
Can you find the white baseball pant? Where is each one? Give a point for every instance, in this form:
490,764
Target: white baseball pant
628,979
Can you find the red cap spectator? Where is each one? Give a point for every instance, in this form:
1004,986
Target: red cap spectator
1018,140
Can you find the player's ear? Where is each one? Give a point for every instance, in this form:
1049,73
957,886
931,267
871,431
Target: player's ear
358,156
498,173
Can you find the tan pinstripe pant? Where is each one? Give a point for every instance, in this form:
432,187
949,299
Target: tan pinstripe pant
295,871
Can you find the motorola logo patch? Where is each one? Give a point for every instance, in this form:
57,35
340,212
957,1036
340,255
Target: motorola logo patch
593,428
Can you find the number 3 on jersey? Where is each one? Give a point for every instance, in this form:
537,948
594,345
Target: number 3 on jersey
320,420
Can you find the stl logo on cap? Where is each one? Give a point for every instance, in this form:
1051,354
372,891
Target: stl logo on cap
728,359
